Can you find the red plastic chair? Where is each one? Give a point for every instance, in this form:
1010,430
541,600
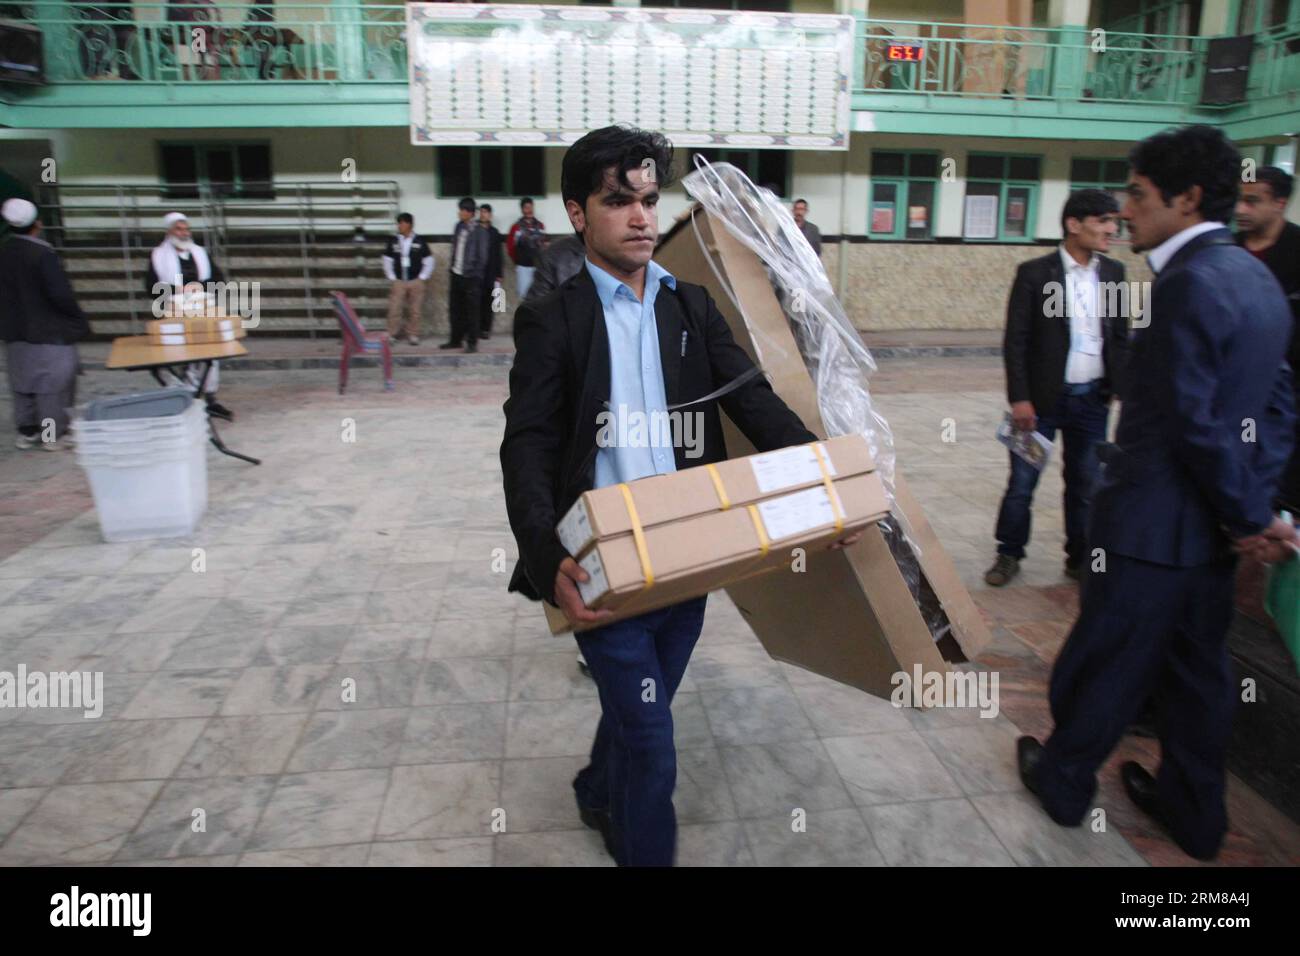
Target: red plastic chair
357,341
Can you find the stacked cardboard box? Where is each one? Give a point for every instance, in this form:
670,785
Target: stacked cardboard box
193,331
852,617
653,542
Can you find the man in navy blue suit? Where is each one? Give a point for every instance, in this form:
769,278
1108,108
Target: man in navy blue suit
1205,431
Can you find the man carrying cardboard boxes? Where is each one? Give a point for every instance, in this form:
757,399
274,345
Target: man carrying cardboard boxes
622,338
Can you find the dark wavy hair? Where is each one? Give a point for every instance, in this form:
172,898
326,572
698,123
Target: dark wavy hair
1087,202
1178,159
1278,179
623,147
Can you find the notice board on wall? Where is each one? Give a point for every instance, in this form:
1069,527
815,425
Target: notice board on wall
539,75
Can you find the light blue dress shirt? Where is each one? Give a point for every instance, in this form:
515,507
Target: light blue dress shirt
636,380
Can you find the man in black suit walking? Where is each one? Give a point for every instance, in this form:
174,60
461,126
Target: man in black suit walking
624,335
1205,432
1064,351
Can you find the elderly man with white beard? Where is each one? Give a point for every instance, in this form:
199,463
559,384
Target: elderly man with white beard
182,265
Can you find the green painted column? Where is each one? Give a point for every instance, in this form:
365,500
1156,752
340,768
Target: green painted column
349,33
1219,18
858,9
58,37
1071,56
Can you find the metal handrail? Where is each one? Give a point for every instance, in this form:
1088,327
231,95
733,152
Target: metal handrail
114,210
1060,62
151,43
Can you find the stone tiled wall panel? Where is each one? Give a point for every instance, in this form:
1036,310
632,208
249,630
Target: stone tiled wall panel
893,286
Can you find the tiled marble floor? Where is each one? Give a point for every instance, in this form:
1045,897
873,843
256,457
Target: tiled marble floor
378,567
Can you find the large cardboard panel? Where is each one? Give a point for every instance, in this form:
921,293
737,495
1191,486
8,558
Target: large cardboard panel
850,616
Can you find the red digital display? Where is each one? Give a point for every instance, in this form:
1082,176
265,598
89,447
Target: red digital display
905,51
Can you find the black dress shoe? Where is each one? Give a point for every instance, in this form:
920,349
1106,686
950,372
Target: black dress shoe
599,820
1029,752
1142,790
449,345
216,408
472,347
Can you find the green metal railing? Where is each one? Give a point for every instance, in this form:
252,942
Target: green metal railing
973,60
1275,67
203,42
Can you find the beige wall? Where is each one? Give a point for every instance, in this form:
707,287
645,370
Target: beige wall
897,286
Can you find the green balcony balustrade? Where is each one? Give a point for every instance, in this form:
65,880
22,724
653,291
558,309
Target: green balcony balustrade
194,63
969,60
344,63
1059,82
201,42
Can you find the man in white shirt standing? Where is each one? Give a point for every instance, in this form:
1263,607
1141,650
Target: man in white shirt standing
179,266
408,264
1064,350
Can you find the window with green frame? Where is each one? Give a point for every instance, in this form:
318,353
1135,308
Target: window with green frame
769,168
1108,175
234,170
1007,186
904,187
483,171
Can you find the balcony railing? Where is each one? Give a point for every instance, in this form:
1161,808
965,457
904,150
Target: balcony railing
207,42
1030,63
202,42
1275,67
1060,63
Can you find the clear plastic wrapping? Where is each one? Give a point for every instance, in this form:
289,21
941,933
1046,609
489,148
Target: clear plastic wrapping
832,349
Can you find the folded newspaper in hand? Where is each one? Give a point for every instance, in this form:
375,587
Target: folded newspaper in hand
1034,447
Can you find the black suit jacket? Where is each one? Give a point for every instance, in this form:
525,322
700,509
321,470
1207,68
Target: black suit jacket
1208,422
37,304
492,271
1037,338
560,380
1283,260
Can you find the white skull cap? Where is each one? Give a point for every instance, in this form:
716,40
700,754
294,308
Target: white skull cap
19,213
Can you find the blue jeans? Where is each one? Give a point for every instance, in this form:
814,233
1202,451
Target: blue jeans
1081,420
637,665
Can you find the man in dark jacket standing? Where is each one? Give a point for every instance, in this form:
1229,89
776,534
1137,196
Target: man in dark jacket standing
1264,232
493,272
1064,351
1206,429
40,323
624,334
469,254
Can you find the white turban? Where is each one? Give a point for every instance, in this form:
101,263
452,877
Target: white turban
19,213
172,218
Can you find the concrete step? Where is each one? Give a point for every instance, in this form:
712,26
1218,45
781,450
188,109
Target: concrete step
235,264
271,286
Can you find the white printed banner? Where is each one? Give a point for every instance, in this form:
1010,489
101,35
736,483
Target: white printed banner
547,75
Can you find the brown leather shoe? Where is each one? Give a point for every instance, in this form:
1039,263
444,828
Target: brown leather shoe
1004,569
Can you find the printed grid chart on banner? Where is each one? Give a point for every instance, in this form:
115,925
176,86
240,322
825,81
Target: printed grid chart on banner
539,75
